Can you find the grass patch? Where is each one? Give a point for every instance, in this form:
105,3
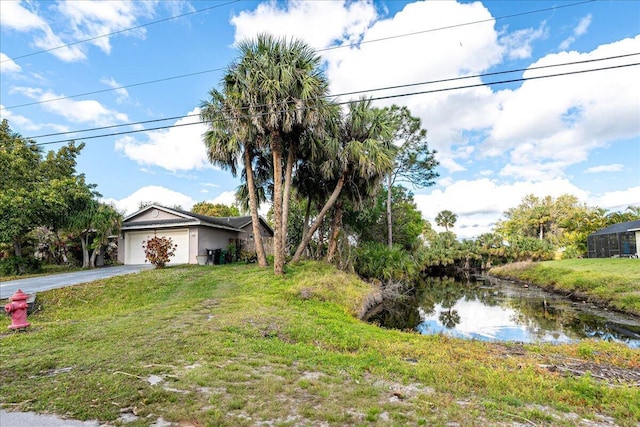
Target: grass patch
614,282
234,345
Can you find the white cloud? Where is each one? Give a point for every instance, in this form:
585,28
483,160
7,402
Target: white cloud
179,148
24,123
578,31
14,16
7,65
319,23
77,21
518,44
615,167
542,137
122,93
618,200
85,111
152,193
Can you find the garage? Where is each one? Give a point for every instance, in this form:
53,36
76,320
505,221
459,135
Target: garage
134,254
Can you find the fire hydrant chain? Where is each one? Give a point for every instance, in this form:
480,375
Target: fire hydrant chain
18,310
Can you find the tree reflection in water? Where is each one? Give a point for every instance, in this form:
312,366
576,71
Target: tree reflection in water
499,310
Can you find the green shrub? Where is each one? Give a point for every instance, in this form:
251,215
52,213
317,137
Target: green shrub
377,261
15,265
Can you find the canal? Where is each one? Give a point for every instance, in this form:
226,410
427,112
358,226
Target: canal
497,310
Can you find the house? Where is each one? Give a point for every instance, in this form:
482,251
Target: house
617,240
193,234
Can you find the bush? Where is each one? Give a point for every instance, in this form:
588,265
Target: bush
159,250
377,261
15,265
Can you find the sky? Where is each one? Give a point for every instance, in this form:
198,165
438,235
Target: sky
520,117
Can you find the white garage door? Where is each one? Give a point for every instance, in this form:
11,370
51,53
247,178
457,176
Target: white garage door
134,254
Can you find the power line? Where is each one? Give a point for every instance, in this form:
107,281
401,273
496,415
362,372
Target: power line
451,79
320,50
373,99
193,12
458,25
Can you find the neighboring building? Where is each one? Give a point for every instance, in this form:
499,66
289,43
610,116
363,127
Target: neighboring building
617,240
194,234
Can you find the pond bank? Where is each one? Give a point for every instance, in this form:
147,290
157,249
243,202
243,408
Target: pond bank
610,283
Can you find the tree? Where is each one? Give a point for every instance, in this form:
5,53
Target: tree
543,218
37,190
94,224
231,134
371,226
446,219
284,95
215,209
414,162
357,157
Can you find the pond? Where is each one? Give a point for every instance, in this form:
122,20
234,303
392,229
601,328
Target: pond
497,310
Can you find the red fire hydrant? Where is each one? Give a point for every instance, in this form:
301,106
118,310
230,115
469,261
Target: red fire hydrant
18,310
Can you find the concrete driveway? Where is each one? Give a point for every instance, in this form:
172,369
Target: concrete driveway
43,283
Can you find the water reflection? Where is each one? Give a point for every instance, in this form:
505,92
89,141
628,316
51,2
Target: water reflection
502,311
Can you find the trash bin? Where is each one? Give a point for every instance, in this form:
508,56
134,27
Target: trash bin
223,256
216,256
210,256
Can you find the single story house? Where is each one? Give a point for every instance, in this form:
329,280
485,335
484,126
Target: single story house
193,234
617,240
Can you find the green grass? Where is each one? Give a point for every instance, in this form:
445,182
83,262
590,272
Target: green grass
611,281
234,345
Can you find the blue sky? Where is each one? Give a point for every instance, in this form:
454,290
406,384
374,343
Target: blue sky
577,134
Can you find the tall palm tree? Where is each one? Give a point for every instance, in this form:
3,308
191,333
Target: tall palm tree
284,94
356,153
230,135
446,219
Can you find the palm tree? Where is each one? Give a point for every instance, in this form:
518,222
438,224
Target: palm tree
230,135
446,219
283,94
356,153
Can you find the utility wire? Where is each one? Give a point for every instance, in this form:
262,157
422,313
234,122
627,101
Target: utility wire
320,50
193,12
373,99
496,73
457,25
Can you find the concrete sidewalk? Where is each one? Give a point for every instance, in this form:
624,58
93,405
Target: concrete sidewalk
43,283
31,419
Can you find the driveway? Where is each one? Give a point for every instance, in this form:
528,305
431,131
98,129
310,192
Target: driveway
43,283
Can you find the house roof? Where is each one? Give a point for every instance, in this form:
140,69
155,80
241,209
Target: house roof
621,227
234,223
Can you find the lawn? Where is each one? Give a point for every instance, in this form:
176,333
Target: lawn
233,345
614,282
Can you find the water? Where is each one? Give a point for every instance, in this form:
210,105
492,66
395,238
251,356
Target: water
495,310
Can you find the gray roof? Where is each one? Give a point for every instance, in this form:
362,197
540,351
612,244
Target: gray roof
621,227
235,223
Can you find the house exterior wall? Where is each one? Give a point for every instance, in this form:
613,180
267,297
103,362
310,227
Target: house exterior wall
211,238
148,215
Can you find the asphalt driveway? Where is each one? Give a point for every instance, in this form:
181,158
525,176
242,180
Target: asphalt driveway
43,283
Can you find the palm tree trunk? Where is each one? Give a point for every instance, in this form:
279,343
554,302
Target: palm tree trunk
389,222
253,206
278,250
285,198
336,225
330,202
307,214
